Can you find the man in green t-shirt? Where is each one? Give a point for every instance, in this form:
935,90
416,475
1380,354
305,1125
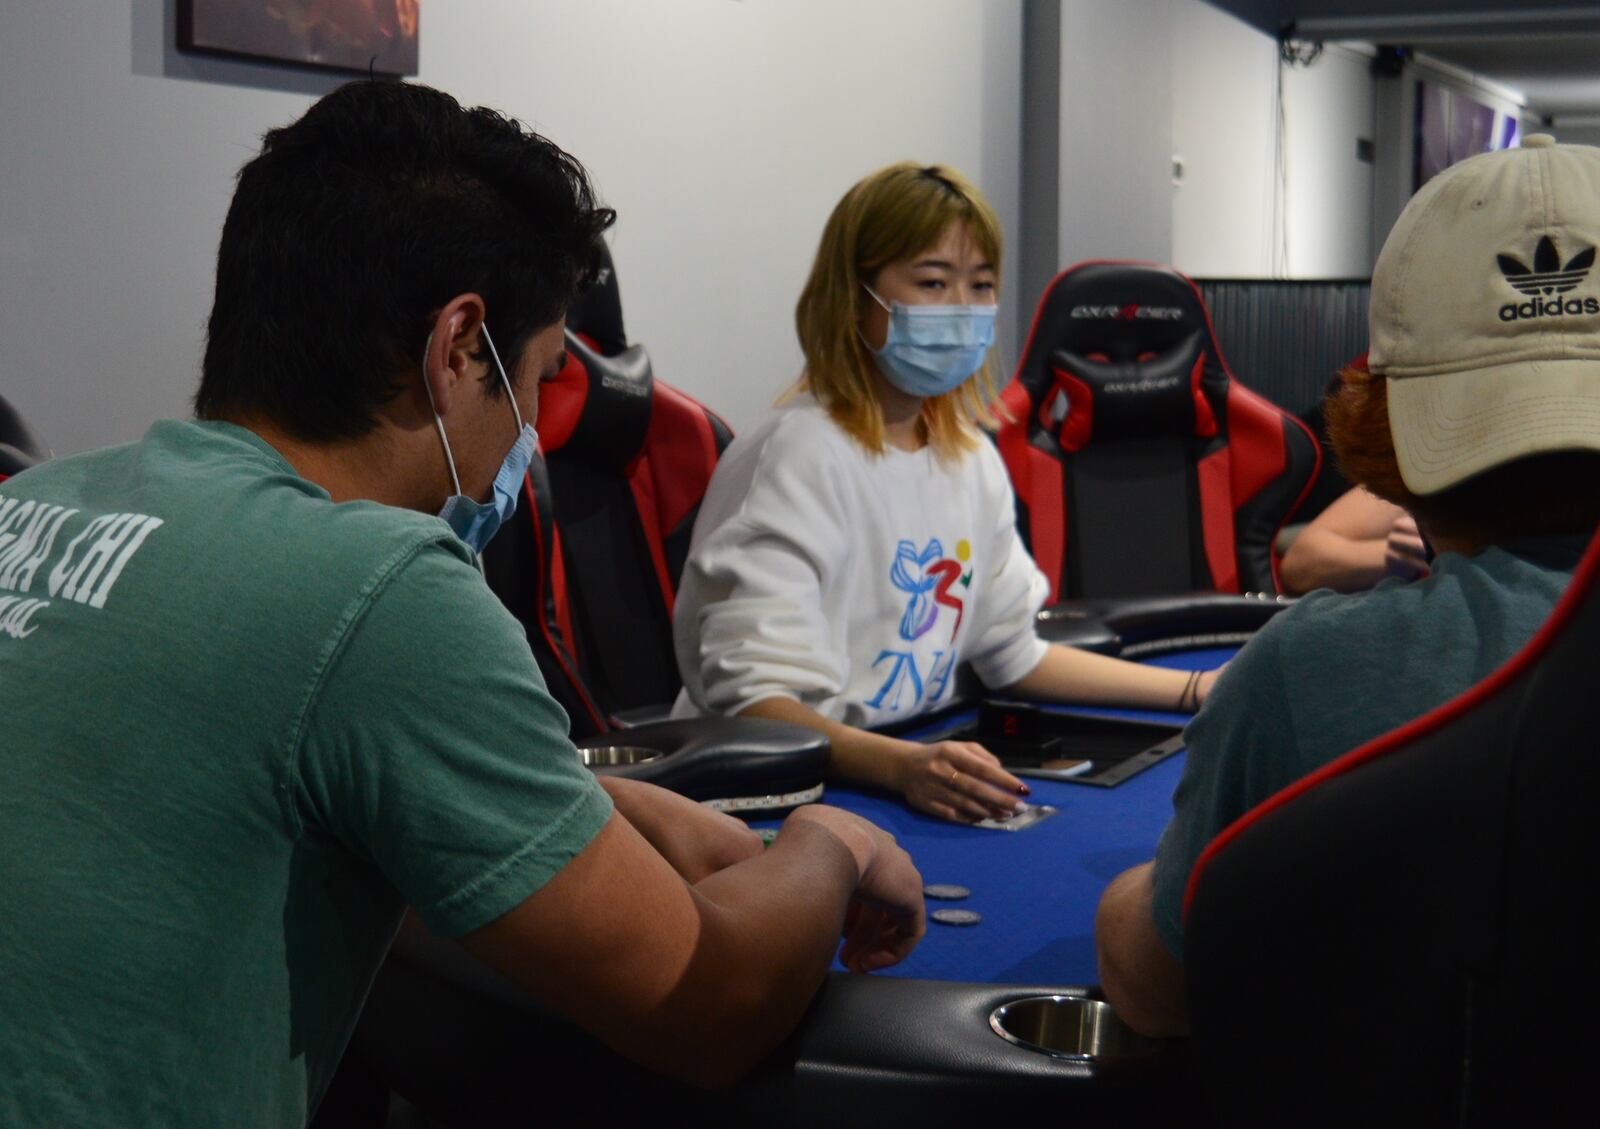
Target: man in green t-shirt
257,698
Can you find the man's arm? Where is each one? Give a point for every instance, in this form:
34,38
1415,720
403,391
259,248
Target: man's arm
701,982
1354,543
695,840
1142,981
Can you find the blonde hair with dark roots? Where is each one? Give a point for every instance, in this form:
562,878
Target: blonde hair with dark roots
1534,496
893,214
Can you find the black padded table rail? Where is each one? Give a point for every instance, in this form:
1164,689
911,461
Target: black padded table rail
742,764
884,1049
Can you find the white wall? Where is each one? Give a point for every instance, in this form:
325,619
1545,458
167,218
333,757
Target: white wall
1234,214
1224,133
1147,83
1328,107
1116,130
722,131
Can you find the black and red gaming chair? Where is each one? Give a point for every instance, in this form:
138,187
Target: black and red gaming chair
626,462
1141,466
1409,933
19,447
590,564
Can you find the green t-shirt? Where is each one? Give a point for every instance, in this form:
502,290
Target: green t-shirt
240,728
1332,672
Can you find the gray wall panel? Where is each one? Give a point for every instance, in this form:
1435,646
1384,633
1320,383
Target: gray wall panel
1286,339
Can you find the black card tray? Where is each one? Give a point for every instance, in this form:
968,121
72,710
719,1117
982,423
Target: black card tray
1026,736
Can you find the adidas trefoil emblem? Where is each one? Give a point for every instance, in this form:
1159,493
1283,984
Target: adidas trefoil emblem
1547,275
1546,281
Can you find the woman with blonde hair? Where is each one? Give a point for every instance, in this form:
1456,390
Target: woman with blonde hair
859,543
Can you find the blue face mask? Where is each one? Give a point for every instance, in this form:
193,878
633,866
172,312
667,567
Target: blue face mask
931,350
477,522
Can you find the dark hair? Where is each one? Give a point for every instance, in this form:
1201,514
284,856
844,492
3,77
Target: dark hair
358,222
1534,496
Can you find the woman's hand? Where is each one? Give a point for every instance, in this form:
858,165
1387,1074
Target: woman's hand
958,781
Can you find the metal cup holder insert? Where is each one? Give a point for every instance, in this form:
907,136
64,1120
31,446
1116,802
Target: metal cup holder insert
1070,1027
612,756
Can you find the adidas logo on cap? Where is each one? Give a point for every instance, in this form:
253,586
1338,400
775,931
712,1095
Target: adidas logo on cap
1489,358
1545,282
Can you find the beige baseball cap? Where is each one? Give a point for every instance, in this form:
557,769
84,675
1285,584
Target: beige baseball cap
1486,313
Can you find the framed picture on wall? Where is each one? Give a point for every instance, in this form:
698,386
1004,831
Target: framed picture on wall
1452,127
363,36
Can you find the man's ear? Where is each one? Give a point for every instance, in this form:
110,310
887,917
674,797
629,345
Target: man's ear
452,340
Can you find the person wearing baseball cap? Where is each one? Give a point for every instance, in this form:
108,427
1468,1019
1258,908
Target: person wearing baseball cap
1477,411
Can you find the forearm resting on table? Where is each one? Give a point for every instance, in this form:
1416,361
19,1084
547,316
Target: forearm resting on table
695,840
1348,546
1142,981
698,982
769,931
1071,675
858,754
1321,558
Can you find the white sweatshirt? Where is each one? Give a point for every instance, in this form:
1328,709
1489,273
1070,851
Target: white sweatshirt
851,582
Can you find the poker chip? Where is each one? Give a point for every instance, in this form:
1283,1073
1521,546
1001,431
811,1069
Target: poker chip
946,892
955,917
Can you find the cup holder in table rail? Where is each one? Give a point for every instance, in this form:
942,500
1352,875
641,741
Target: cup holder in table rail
1070,1027
612,756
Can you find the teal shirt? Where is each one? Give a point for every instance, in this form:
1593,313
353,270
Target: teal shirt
241,727
1332,672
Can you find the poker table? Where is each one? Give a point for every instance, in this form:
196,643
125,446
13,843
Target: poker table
1036,889
913,1042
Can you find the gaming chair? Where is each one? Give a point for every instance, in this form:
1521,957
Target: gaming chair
1408,933
19,447
1141,466
591,561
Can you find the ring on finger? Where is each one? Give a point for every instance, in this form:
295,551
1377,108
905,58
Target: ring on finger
951,783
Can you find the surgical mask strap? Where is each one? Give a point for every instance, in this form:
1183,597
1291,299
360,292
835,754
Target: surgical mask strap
504,379
878,298
449,457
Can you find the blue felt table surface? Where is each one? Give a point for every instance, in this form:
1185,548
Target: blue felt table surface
1037,889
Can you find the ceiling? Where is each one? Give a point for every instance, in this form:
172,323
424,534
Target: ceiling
1548,50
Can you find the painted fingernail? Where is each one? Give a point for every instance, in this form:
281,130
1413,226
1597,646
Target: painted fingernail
1023,789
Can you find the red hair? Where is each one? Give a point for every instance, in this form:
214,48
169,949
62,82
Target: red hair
1541,495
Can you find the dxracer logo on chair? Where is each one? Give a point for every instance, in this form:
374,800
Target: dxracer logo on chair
1545,282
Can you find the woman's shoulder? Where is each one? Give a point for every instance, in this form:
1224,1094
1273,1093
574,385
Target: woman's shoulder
803,420
797,433
792,460
982,464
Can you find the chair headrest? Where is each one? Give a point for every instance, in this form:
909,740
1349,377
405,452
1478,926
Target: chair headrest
597,407
1113,313
596,314
1164,395
18,444
13,461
